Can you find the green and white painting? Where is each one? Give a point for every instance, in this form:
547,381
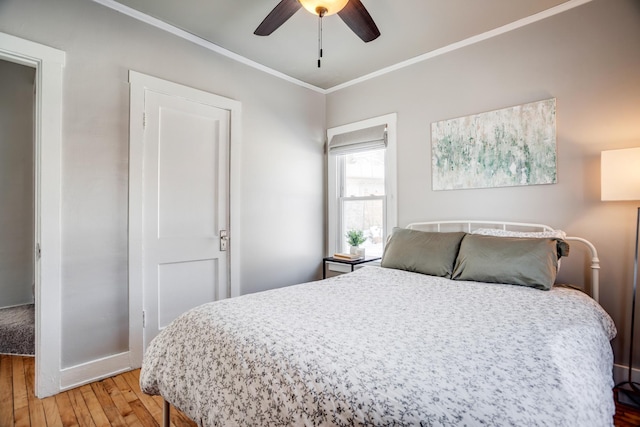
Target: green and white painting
502,148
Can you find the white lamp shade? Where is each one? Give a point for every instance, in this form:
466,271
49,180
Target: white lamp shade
332,6
620,174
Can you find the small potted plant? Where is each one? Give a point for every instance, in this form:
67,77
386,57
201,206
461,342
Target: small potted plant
355,238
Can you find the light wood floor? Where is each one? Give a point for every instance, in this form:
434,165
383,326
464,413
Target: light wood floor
626,416
115,401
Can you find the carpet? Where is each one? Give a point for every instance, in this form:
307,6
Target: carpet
17,330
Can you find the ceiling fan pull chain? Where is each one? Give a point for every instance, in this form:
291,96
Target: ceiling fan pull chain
320,37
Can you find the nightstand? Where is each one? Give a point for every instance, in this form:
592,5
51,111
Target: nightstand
347,262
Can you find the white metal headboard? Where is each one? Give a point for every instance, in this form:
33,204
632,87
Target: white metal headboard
471,225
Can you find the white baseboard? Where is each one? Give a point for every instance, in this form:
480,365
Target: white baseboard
17,305
95,370
621,373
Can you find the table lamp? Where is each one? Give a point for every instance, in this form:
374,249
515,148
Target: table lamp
620,180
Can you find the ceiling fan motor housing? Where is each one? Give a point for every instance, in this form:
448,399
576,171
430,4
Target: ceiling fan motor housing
329,7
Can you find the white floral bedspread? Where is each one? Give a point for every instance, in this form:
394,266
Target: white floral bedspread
384,347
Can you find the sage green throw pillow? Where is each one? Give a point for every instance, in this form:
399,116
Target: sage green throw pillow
513,260
422,252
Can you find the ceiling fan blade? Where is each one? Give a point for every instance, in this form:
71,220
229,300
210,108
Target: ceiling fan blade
278,16
358,19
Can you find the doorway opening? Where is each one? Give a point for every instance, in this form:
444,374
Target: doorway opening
48,64
17,212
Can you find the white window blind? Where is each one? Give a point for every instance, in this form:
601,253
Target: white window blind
373,138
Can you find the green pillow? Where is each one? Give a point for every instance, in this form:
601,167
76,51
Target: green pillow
422,252
513,260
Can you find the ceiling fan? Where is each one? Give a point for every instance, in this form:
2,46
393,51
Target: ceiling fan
352,12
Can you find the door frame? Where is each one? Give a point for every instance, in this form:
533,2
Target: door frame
48,63
138,84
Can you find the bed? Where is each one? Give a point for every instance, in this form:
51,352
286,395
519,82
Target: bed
390,346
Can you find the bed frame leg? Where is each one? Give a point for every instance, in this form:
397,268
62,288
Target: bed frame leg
166,411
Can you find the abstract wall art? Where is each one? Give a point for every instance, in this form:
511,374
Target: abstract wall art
502,148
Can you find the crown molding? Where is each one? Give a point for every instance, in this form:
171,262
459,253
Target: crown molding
464,43
155,22
112,4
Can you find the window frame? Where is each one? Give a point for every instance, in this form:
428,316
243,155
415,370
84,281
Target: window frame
334,182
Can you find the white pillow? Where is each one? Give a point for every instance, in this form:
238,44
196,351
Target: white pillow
554,234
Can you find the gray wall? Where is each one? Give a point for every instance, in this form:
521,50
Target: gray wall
588,58
16,184
281,161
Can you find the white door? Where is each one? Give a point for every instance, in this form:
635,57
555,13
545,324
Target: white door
185,207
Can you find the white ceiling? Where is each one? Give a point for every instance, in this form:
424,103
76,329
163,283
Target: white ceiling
410,29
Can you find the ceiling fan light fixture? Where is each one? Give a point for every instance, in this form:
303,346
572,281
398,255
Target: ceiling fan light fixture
328,6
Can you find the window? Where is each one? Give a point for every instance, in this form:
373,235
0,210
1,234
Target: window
361,183
361,199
